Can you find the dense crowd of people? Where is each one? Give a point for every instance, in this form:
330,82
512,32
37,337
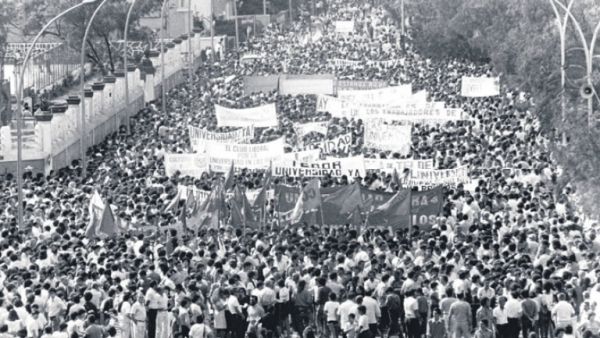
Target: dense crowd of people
510,254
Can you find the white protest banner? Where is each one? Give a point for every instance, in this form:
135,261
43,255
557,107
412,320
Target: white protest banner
385,95
200,137
334,167
344,27
331,105
300,156
388,165
189,164
249,156
338,145
360,84
383,136
306,128
384,63
259,117
199,195
424,178
346,63
428,113
479,86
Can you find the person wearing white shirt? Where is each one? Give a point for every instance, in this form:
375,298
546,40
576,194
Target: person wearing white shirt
563,312
332,314
33,325
411,314
501,317
514,311
346,308
373,312
55,308
200,330
363,323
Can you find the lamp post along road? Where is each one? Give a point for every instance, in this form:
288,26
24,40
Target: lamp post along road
562,31
82,141
20,107
589,55
212,29
125,58
190,54
163,27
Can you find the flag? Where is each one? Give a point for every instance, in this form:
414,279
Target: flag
108,222
346,199
244,206
173,205
309,199
396,211
396,179
194,216
229,178
214,207
356,218
261,198
96,209
102,218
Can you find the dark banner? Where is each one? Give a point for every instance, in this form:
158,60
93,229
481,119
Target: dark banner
426,206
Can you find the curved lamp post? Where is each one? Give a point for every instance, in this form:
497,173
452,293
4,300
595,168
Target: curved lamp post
20,107
128,123
562,31
81,88
163,25
589,54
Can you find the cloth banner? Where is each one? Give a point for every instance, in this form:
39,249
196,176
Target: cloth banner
360,63
383,136
346,63
338,145
426,206
480,86
306,128
200,137
307,84
300,156
262,116
260,84
427,113
199,195
287,197
388,165
332,105
427,179
344,27
360,84
249,156
334,167
387,95
191,164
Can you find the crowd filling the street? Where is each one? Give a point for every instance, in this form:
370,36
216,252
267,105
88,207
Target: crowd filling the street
305,245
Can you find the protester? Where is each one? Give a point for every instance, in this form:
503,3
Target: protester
508,254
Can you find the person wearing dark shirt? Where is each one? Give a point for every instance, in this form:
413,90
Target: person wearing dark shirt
530,313
323,292
93,330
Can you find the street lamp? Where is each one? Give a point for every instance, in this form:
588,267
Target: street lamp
82,141
20,107
162,55
589,56
128,123
562,31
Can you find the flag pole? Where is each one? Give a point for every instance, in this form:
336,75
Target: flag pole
322,218
278,210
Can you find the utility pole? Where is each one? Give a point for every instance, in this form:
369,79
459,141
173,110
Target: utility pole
237,33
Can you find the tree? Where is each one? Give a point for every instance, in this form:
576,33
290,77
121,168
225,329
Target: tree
108,25
520,39
8,13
